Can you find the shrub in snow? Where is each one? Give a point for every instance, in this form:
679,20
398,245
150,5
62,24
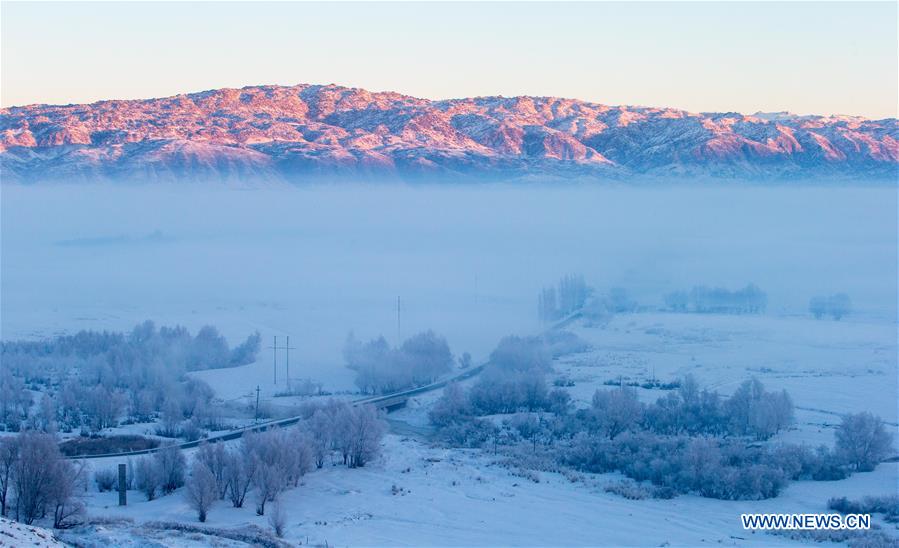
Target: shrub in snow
862,441
888,505
508,391
628,489
277,519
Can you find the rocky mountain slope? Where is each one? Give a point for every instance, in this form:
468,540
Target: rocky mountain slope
311,132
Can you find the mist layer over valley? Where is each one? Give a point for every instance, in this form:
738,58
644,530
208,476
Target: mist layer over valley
317,262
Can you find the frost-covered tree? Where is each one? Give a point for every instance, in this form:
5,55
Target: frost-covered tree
379,368
201,490
170,465
862,441
247,351
521,354
366,429
40,479
147,478
753,411
240,469
616,411
452,407
215,457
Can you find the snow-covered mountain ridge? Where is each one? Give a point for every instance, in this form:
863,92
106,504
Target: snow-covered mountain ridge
312,132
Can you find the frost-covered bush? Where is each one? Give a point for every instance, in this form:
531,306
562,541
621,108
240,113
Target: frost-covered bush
628,489
888,505
452,407
106,479
706,466
499,391
751,411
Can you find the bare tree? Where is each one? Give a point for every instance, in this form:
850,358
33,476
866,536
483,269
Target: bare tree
240,469
63,496
201,490
9,453
34,474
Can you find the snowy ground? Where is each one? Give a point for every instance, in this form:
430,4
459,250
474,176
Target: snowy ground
465,498
16,534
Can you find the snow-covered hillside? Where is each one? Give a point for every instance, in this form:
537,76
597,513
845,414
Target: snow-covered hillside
307,132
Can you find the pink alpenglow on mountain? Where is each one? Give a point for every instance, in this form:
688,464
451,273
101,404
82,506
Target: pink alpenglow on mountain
310,132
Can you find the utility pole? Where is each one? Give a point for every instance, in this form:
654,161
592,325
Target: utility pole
399,338
287,349
256,418
274,348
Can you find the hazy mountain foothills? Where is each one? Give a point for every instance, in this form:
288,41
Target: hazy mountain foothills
309,132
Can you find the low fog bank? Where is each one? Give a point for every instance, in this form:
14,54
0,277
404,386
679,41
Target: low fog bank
467,262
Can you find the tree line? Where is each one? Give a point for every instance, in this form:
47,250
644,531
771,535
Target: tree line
92,380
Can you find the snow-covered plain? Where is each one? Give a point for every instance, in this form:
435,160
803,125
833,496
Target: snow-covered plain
468,262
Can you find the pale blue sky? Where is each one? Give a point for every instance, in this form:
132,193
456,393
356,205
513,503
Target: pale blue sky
810,57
